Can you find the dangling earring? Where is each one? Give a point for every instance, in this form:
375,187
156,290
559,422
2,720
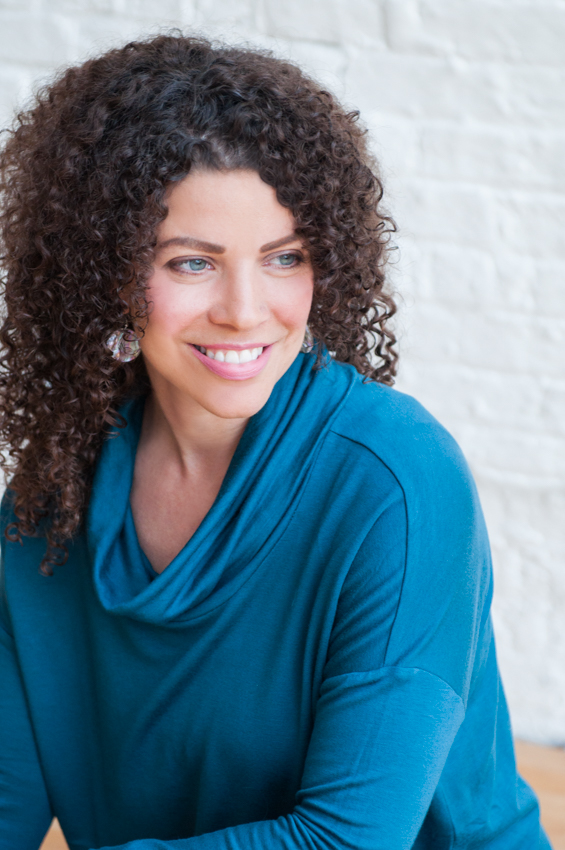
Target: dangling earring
309,341
124,345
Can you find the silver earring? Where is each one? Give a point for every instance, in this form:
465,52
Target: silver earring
309,341
124,345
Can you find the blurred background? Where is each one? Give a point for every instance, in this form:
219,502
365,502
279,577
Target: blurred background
465,104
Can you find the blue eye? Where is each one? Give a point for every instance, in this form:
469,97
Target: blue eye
195,264
189,265
287,260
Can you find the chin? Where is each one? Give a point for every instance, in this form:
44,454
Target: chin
241,405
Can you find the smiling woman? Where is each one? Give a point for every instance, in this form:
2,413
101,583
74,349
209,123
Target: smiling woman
243,301
245,587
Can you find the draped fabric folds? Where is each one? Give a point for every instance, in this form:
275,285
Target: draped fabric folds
254,504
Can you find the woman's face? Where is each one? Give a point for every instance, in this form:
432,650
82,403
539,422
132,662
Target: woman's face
229,295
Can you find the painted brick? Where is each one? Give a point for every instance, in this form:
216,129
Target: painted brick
526,346
227,17
79,7
548,290
36,40
525,284
16,86
468,278
553,405
97,33
478,31
396,144
426,87
532,225
19,5
534,95
462,393
533,520
495,156
325,62
429,87
527,594
330,21
464,277
526,453
447,213
486,280
169,10
465,103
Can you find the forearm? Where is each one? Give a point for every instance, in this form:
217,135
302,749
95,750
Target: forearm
285,833
379,745
25,813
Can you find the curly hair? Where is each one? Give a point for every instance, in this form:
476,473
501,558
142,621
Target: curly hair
83,181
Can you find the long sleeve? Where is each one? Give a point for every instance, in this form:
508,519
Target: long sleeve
25,812
379,745
381,734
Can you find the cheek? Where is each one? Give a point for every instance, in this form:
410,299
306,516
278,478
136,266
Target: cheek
295,302
171,308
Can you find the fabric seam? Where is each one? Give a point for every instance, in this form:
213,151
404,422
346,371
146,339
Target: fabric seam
358,443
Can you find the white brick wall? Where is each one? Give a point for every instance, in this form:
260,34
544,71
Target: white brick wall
465,100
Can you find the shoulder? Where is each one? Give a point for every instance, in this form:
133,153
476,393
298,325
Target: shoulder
444,595
446,531
393,426
394,431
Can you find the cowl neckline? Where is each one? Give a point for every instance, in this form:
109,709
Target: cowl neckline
256,501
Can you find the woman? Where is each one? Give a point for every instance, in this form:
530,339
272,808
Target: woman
266,623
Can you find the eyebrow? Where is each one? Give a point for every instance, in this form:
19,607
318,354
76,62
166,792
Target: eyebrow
278,243
190,242
212,248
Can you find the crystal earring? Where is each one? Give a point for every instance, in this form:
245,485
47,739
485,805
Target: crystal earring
124,345
309,341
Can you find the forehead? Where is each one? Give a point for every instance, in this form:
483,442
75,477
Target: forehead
220,205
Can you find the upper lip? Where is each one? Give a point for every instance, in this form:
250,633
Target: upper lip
232,346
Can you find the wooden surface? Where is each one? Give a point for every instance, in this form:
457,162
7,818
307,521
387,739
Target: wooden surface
54,839
542,767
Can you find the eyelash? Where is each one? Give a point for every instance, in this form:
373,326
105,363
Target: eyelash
298,259
177,264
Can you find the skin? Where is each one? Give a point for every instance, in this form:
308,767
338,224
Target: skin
243,291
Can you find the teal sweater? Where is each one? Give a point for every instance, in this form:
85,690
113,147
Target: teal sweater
315,670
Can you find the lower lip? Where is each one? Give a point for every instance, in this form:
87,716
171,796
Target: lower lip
235,371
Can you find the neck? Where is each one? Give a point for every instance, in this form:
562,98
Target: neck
190,436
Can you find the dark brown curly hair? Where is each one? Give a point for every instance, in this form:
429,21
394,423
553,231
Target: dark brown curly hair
83,177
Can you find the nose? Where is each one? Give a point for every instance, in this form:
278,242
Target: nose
240,302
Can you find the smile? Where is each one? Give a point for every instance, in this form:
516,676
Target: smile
230,355
233,364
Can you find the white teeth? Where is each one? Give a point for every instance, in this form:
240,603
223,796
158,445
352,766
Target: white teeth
230,355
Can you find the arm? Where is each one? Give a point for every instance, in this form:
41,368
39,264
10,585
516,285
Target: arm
378,748
25,813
